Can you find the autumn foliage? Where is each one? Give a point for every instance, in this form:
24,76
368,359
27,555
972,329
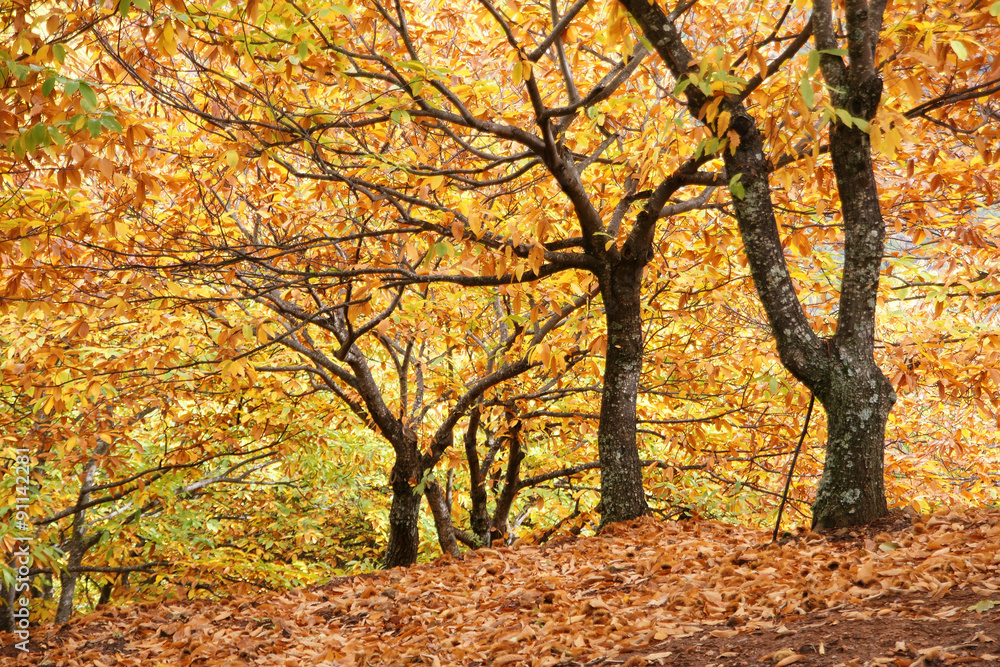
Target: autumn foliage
274,273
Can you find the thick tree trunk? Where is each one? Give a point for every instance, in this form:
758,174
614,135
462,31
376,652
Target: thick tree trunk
404,514
622,495
852,489
442,519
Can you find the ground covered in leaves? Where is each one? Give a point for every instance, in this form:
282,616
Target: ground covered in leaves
908,593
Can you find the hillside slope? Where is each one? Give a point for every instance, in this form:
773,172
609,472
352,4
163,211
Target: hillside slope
913,592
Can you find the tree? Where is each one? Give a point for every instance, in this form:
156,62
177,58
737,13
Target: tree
841,370
452,153
316,162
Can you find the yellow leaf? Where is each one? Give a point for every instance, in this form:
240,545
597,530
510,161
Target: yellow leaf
168,41
734,141
723,124
106,168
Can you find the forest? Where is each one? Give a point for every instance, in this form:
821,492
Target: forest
301,300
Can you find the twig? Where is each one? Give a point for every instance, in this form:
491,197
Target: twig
791,469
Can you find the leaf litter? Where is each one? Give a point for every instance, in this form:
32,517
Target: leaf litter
923,591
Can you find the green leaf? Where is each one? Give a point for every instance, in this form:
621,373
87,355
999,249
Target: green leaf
303,51
111,123
736,188
835,52
20,71
806,88
813,62
57,137
845,117
995,8
141,4
123,7
89,96
71,87
94,126
984,605
59,51
959,49
343,10
48,86
738,191
40,135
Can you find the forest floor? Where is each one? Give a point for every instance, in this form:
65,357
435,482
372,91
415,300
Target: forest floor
906,592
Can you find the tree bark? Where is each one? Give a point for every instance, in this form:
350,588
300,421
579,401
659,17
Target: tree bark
505,500
859,396
68,576
622,494
7,596
479,515
442,519
852,489
404,514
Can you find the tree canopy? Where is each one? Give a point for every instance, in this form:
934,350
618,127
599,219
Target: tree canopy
274,272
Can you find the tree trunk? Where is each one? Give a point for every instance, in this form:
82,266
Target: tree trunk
479,515
442,519
841,372
622,495
512,480
404,514
67,590
852,489
859,397
7,596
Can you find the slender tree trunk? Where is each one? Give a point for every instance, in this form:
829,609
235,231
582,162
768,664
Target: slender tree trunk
67,582
512,479
479,515
68,576
79,543
7,622
622,495
404,514
442,519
